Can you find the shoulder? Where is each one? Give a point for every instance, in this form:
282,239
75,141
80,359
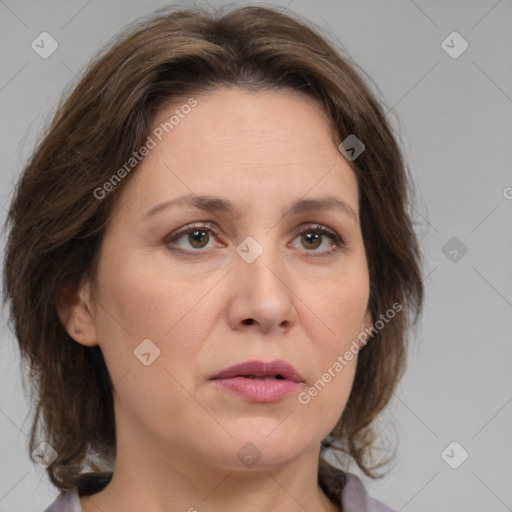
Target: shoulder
347,490
356,499
86,485
65,502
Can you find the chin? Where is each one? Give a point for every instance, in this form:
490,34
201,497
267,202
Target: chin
269,446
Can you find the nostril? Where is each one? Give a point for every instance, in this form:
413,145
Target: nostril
249,321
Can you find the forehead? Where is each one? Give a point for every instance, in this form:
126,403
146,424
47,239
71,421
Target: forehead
241,114
234,142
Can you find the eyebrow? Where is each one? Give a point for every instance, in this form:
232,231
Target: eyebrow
216,204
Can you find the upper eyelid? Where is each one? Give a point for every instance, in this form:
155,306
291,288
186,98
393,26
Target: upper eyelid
207,225
190,227
211,226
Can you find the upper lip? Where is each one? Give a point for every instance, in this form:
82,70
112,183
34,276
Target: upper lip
261,369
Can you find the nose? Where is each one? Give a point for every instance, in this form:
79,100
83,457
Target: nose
261,295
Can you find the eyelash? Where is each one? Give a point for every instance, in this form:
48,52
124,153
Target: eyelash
171,238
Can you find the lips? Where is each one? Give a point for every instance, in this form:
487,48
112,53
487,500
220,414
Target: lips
260,382
278,370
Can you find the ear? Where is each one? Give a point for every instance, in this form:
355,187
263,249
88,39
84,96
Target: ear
76,314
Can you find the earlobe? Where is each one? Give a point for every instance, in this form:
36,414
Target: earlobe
76,314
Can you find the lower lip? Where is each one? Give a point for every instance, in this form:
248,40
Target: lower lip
259,390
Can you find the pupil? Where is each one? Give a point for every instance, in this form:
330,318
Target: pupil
195,238
312,239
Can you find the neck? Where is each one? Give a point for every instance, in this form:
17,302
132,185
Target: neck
148,478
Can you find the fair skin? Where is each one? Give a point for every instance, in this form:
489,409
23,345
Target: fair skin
178,434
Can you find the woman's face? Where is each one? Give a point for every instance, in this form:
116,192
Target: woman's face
215,257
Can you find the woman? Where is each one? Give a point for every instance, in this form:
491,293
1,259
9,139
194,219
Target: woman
212,272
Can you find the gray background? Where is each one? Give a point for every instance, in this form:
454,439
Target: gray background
455,121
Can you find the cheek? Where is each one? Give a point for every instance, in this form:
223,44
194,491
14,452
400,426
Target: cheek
339,305
138,302
142,300
337,339
339,319
324,399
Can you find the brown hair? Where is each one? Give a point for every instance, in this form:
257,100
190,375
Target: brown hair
56,223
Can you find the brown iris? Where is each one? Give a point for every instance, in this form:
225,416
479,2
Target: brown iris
312,238
197,237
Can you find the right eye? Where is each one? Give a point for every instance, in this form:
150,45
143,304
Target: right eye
192,238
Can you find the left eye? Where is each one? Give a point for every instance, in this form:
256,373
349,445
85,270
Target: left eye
198,237
313,238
